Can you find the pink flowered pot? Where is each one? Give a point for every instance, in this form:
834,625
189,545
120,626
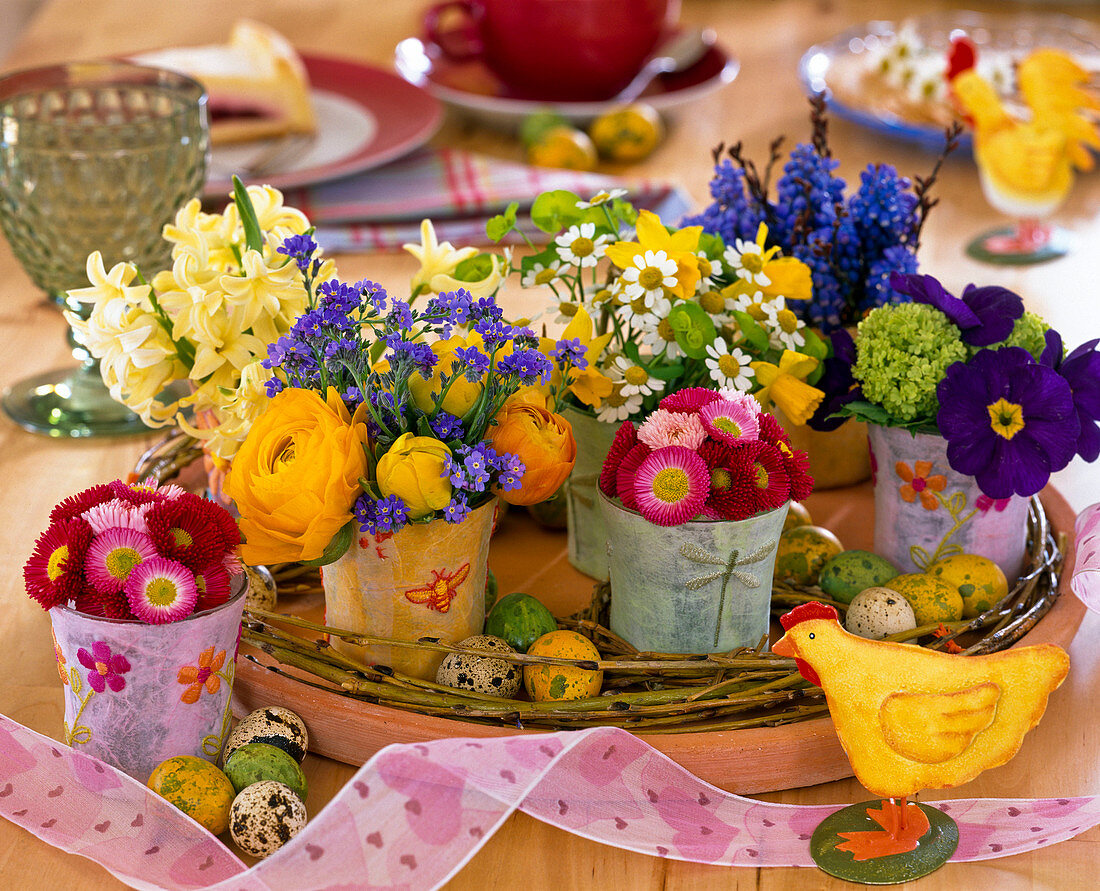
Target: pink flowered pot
925,511
136,694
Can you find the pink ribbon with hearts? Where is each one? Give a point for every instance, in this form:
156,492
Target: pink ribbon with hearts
415,814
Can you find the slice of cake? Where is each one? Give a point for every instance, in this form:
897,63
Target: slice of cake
257,85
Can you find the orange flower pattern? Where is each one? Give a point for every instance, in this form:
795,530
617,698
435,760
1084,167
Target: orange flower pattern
202,675
62,670
918,483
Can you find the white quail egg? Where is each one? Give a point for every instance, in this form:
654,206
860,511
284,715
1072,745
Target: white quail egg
877,612
265,816
274,725
481,674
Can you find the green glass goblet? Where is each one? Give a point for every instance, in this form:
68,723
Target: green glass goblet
93,156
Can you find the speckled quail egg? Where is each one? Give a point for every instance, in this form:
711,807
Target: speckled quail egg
274,725
262,593
265,816
877,612
481,674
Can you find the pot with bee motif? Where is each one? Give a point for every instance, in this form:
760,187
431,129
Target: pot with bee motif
428,580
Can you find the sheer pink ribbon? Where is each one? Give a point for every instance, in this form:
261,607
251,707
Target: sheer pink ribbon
415,814
1086,569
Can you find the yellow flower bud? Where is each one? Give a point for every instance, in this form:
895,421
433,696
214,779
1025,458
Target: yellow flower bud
412,470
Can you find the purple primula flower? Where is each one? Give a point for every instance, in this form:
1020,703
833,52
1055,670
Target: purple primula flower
1009,421
105,669
1081,370
985,316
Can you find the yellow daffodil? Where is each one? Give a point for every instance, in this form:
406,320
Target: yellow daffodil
759,268
588,384
785,385
644,262
435,258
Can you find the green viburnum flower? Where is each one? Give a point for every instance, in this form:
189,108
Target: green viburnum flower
1029,333
903,351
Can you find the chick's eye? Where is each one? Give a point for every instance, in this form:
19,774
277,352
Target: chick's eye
811,635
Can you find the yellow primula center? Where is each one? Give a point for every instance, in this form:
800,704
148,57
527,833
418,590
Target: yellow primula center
787,320
666,331
1006,418
582,247
705,269
545,276
720,479
650,278
56,564
729,366
181,537
753,262
671,485
727,425
120,561
161,592
635,375
713,302
568,309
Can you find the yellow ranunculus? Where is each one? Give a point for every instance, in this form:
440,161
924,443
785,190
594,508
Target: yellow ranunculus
296,476
542,440
462,393
413,471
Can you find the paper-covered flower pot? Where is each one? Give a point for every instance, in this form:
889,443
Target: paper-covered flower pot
925,511
585,529
136,694
700,587
428,580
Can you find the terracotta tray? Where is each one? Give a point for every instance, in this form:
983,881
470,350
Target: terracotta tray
527,558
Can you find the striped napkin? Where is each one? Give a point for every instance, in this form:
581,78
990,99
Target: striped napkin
459,191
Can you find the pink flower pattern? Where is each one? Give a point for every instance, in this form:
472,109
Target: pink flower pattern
105,669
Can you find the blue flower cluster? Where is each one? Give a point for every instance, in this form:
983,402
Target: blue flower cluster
851,246
369,346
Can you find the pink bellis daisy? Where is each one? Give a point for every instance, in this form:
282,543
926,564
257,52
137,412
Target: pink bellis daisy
213,587
161,590
54,573
730,469
671,428
135,493
75,505
183,533
116,514
771,484
626,437
730,422
688,401
671,486
113,554
624,477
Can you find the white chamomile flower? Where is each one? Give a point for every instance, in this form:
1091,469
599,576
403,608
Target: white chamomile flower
636,380
601,198
785,329
580,246
746,260
645,311
661,339
541,275
648,276
567,309
729,367
755,304
618,407
709,271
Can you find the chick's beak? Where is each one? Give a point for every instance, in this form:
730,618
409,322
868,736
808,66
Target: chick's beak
785,647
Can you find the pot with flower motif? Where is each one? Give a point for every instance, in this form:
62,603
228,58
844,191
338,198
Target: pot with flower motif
137,693
925,511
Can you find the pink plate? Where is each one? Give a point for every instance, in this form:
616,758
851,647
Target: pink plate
365,117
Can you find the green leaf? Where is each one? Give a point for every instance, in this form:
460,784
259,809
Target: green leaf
755,336
253,236
624,211
554,211
630,350
474,269
336,549
694,328
666,372
502,223
546,257
711,244
814,345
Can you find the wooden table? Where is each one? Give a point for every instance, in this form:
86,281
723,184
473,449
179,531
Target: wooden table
1061,757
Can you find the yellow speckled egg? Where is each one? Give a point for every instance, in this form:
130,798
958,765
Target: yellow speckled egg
932,599
803,551
978,579
196,787
554,682
797,515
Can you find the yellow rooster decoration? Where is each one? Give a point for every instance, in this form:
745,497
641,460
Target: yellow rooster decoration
1027,164
911,718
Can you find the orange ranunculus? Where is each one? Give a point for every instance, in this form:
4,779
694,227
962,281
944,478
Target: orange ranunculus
413,470
544,443
296,476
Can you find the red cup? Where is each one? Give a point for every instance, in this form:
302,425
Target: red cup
555,50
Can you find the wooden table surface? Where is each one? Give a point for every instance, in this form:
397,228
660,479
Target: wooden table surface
1060,758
